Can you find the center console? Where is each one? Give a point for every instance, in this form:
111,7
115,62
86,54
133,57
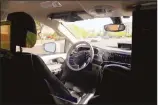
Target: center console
82,98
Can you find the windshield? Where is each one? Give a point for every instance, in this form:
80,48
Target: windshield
92,30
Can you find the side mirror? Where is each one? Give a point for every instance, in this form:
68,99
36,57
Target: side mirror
50,47
114,27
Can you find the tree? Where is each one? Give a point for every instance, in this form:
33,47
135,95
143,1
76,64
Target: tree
80,32
39,27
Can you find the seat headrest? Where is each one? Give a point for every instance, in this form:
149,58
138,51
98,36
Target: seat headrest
23,30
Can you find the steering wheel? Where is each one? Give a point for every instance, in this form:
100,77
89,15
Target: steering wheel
78,60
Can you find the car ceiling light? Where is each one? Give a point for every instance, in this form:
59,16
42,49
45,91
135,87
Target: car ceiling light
48,4
56,4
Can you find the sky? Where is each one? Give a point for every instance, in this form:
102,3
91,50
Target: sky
97,23
94,23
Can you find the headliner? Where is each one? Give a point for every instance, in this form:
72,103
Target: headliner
34,7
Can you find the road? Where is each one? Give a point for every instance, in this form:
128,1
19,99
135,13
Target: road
110,42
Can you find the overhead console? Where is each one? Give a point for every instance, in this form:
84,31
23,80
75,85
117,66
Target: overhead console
70,16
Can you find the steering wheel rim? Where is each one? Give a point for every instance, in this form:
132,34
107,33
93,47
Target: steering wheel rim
70,51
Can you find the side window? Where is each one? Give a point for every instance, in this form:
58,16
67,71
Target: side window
46,34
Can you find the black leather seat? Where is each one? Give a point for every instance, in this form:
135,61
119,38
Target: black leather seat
144,51
139,86
25,77
114,87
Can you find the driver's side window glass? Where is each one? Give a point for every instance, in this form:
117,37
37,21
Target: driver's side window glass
45,35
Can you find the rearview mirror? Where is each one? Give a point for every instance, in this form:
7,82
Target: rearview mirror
114,27
50,47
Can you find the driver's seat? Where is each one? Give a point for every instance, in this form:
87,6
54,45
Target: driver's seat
25,77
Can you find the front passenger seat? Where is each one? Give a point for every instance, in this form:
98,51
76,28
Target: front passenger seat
25,77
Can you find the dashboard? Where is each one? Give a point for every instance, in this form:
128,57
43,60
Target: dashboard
106,56
117,57
55,65
74,81
101,57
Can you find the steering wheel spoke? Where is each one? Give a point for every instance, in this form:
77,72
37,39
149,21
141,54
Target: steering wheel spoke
75,66
83,65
